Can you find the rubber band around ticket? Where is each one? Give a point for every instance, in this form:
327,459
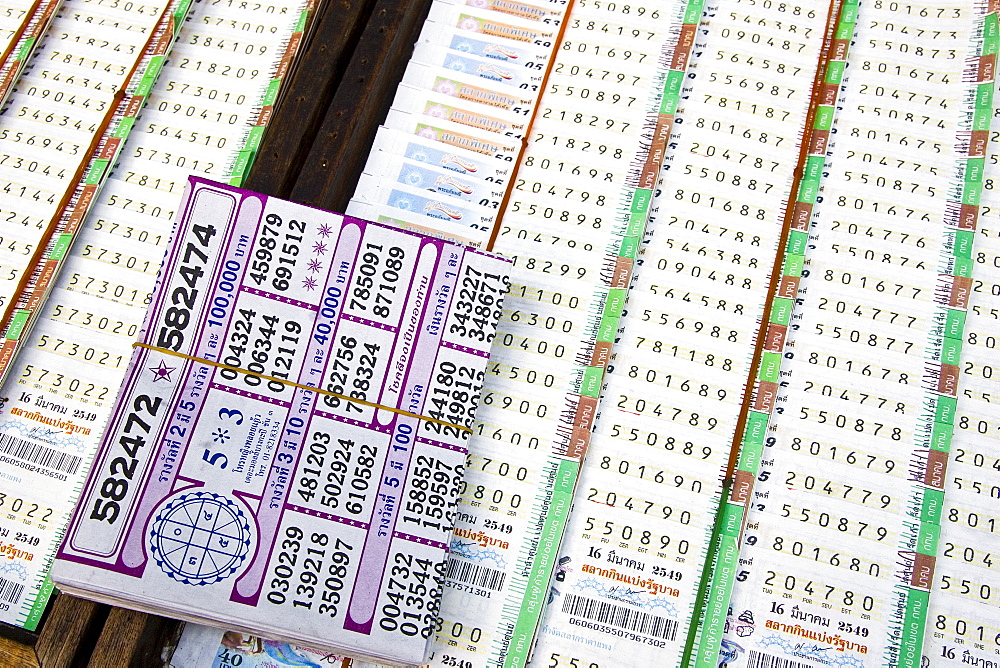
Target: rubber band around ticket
220,365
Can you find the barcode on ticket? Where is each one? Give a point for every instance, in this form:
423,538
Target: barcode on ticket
629,619
10,592
758,660
38,454
473,574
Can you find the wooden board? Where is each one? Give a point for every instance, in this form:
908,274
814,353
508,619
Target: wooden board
69,633
360,104
318,72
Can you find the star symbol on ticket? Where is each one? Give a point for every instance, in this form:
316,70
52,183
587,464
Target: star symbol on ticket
324,231
319,248
162,372
309,283
314,265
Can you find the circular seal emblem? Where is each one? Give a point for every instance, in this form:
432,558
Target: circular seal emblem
200,538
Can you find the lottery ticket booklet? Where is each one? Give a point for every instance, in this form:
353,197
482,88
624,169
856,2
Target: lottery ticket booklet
288,445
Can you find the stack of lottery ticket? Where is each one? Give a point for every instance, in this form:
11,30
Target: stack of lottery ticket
443,158
287,449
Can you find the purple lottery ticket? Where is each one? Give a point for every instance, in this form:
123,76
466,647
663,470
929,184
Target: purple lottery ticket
286,452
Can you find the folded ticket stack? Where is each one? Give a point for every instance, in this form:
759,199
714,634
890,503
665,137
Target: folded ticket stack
287,449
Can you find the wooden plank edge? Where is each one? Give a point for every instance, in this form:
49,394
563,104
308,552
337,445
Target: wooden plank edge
332,36
131,638
70,632
331,169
